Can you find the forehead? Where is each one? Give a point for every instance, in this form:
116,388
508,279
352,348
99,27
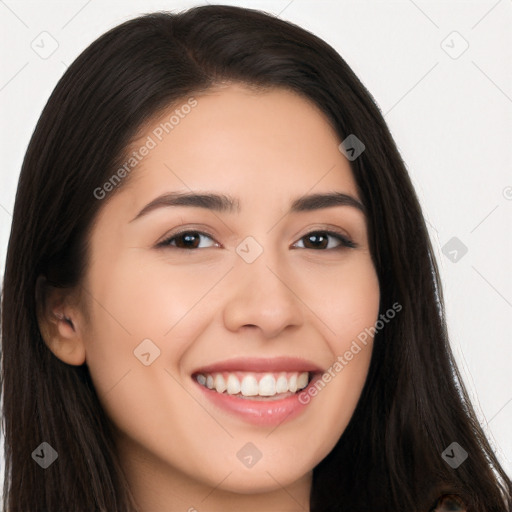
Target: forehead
272,143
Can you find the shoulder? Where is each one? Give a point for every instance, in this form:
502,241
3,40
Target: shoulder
449,503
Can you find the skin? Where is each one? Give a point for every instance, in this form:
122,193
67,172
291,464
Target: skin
205,305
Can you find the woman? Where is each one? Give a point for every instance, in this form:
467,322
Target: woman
299,360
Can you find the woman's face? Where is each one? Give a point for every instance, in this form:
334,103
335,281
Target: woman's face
256,296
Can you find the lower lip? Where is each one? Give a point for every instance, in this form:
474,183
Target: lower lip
259,412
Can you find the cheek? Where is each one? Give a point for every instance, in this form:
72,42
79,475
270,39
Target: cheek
147,300
356,307
139,310
345,300
350,308
133,302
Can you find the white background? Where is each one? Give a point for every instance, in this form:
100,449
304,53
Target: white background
451,119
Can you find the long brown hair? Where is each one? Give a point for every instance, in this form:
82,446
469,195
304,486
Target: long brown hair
414,403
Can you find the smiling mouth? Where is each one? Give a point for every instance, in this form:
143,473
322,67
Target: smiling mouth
266,386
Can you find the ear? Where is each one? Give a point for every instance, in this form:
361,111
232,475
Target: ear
60,322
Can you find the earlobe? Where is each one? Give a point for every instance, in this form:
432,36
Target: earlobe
59,323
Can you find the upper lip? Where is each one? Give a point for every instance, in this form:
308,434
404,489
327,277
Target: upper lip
253,364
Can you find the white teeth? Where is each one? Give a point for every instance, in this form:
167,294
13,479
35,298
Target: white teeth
249,386
233,385
292,383
267,385
219,383
281,384
270,384
302,381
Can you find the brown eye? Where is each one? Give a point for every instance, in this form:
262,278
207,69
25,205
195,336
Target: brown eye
186,240
320,240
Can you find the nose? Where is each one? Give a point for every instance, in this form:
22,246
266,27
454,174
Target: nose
262,297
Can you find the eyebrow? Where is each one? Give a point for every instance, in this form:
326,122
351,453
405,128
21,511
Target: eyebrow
223,203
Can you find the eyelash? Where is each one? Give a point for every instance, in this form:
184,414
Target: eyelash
345,243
